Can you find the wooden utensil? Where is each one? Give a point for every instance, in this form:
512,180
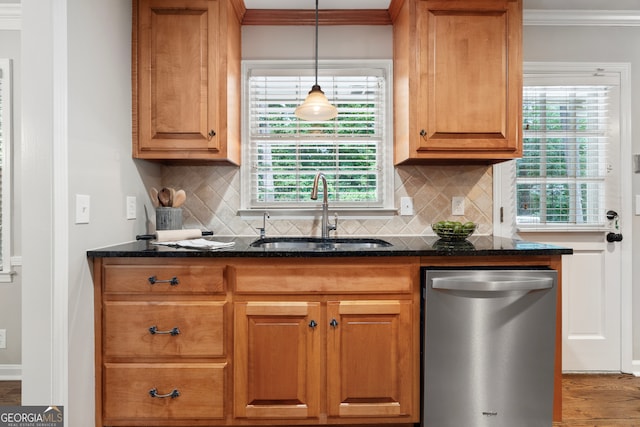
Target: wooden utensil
179,198
153,193
165,198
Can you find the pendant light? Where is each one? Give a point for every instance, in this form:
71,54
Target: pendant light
316,107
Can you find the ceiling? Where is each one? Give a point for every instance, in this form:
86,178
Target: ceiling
322,4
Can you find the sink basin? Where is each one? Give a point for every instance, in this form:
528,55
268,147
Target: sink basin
317,243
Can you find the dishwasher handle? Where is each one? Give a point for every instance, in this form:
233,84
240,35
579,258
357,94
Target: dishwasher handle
476,285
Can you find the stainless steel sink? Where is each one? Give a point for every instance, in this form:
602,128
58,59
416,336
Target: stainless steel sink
317,243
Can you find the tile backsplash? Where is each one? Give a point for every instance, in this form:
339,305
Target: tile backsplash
213,199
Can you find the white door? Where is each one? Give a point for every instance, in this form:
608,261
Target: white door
590,301
593,275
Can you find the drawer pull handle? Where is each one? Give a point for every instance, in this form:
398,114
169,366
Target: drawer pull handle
154,393
173,332
173,281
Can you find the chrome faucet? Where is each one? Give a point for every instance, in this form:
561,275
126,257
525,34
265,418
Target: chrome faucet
326,227
263,229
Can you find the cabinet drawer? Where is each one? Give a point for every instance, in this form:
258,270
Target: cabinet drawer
149,329
198,391
163,279
335,277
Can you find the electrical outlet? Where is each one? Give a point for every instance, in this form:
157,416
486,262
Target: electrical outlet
131,207
457,206
83,209
3,338
406,205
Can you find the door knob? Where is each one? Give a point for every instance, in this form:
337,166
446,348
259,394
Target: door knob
614,237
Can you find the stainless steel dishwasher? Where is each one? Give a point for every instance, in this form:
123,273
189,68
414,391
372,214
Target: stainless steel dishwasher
488,347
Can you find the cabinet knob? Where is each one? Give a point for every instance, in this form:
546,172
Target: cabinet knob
313,324
333,323
211,134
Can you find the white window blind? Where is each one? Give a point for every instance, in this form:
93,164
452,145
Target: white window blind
560,179
285,153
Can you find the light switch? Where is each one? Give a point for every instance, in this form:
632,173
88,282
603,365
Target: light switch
83,209
457,205
131,207
406,206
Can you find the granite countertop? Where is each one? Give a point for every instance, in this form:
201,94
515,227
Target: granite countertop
401,246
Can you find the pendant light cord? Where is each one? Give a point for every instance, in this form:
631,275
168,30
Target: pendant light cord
316,42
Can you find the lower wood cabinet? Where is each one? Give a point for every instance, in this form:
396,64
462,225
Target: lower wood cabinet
369,367
214,342
327,341
277,359
281,349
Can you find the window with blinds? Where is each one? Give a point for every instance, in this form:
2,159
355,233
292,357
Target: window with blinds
560,180
285,153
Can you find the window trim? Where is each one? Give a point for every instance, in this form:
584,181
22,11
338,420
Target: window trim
6,275
387,169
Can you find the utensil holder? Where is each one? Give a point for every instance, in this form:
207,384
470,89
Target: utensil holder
168,218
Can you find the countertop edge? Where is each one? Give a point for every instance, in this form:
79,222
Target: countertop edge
402,246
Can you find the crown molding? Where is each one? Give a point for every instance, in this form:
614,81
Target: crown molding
10,16
591,18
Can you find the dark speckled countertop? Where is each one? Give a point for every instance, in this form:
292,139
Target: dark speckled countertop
401,246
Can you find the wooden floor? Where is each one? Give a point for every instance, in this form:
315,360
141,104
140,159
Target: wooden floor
600,400
10,393
607,400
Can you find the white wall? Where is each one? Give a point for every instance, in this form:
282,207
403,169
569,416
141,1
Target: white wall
334,42
77,140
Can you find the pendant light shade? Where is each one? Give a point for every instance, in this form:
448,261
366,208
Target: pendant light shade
316,107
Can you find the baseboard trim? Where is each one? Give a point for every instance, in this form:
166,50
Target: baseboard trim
10,372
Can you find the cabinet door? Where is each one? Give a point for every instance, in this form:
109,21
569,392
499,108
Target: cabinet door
470,66
277,359
369,359
177,77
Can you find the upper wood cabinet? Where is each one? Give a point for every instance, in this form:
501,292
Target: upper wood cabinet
186,80
457,80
